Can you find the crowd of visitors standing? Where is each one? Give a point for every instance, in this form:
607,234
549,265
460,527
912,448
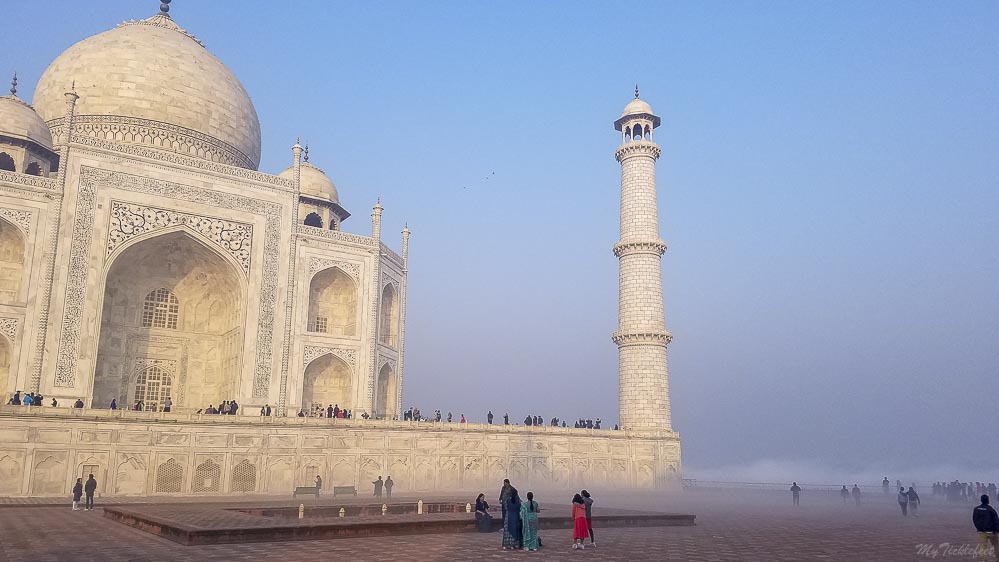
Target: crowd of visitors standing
521,519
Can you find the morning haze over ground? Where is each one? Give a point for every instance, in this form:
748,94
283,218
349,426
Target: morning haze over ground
827,188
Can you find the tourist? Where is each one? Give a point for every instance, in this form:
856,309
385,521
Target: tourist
528,421
483,520
38,400
388,486
462,420
506,418
596,424
336,410
986,522
489,417
77,494
114,404
844,493
55,403
329,411
263,411
78,404
513,534
378,486
27,399
529,521
795,491
89,489
233,407
167,405
319,485
448,417
991,489
139,406
913,501
856,494
267,408
884,485
16,399
504,495
588,502
301,413
903,501
579,529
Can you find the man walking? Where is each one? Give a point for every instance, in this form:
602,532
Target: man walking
884,485
388,487
378,486
856,494
986,522
489,417
89,489
844,493
903,501
795,491
319,485
913,501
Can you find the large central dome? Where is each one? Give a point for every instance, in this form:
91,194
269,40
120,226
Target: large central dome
149,82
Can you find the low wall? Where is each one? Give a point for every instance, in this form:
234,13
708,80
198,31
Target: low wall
43,451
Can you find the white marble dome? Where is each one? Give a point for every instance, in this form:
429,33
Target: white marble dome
149,82
637,107
18,120
315,182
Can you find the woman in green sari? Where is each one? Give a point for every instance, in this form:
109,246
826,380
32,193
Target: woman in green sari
529,521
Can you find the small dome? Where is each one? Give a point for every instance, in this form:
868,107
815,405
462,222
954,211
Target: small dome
315,182
19,120
149,82
636,107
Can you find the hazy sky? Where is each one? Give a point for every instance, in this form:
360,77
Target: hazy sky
828,191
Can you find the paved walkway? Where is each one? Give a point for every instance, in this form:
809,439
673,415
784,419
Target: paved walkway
730,527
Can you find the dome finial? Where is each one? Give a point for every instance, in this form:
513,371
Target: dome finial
165,8
306,151
636,91
13,85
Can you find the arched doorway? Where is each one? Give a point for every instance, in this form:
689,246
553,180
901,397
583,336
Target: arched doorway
333,303
388,332
6,162
172,319
328,380
385,401
11,262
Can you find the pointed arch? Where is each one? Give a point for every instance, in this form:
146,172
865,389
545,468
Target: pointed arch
313,219
162,285
388,330
328,380
12,246
385,406
332,303
6,162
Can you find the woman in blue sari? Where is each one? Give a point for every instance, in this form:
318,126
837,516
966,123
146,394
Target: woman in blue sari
483,520
513,534
529,519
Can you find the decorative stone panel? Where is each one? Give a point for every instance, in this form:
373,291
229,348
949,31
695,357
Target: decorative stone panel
313,352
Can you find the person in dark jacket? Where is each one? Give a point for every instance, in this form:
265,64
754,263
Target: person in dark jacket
986,522
504,494
795,492
90,488
483,520
77,494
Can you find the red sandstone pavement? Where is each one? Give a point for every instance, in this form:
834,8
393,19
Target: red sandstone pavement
754,526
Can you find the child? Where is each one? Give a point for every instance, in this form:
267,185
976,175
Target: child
579,528
77,494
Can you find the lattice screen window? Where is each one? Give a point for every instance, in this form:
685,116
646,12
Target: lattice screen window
153,387
207,477
321,325
244,477
160,309
169,477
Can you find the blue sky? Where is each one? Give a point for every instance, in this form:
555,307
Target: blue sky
828,191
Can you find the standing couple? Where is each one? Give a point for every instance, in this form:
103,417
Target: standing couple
520,519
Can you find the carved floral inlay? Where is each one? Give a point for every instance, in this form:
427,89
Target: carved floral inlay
313,352
129,220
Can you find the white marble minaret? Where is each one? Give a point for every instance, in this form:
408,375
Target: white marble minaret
641,337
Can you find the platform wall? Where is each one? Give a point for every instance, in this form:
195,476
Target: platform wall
43,451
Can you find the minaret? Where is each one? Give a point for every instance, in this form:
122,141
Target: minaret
641,337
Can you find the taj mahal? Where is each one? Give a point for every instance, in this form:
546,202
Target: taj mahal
143,257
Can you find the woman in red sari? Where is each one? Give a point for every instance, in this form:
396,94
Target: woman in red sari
579,528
